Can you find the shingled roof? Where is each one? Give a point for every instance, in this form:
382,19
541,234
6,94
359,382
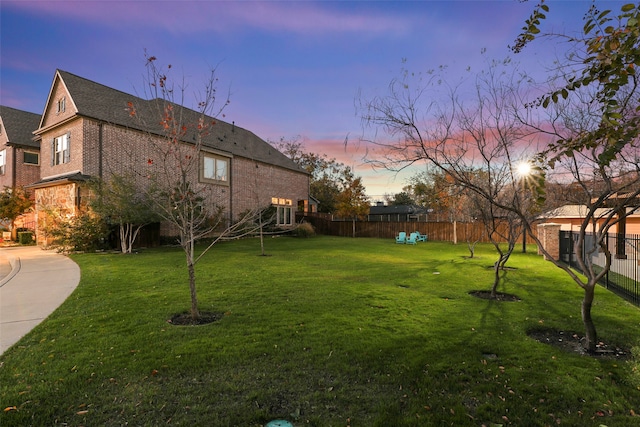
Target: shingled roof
99,102
19,126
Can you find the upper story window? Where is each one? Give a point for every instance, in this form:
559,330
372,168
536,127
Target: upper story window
61,105
31,158
3,161
214,168
60,151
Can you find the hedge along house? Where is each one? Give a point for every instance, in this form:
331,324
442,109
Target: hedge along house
19,154
88,130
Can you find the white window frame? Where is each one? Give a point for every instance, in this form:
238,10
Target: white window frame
214,169
61,150
284,211
61,105
3,161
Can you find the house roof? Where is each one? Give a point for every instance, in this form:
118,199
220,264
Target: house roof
99,102
397,210
57,180
19,126
577,211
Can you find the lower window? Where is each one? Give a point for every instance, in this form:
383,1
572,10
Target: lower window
284,211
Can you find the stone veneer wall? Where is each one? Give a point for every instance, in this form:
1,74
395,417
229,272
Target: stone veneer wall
60,198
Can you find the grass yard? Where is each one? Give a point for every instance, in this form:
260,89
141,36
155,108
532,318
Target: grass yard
325,331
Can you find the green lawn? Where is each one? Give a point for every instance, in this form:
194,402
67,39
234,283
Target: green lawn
325,331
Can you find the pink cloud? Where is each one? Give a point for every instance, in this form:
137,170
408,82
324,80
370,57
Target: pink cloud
219,17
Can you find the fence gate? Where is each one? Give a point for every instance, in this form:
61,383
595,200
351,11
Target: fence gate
623,276
566,247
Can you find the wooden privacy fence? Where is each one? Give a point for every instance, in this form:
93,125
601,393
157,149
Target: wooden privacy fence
438,231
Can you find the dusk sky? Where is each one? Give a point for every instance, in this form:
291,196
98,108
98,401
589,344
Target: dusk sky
293,68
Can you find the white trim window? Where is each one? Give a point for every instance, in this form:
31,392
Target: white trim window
284,211
3,161
214,168
61,149
61,105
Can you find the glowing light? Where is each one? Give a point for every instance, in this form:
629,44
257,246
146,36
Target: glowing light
523,169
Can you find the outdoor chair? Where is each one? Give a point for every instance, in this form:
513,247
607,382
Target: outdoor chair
401,237
421,237
413,239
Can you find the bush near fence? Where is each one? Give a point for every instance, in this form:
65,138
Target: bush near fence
437,231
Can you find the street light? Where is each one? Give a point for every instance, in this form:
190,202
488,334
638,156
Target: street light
523,171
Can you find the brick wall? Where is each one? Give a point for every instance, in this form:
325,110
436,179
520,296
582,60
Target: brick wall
253,184
75,130
549,235
26,173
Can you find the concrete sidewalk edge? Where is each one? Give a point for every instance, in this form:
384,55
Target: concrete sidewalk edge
15,264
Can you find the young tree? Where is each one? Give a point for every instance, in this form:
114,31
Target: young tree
179,197
13,203
593,107
120,202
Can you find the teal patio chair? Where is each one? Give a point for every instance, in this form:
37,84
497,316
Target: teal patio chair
421,237
401,237
413,239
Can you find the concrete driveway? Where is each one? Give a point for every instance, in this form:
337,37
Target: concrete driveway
33,283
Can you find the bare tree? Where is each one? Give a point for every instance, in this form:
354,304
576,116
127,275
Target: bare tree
607,188
493,136
476,139
176,137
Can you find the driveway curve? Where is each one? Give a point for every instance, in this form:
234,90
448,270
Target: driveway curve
33,283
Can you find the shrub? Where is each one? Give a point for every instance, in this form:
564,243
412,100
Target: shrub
305,230
25,237
83,232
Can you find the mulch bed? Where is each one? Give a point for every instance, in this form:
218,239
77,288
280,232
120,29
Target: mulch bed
184,319
500,296
572,342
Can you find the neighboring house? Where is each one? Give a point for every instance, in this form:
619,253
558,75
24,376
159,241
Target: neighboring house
570,218
87,130
19,150
19,156
397,213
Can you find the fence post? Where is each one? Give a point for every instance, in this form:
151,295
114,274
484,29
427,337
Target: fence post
549,235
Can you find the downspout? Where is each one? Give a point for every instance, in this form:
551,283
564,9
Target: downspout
230,193
100,157
14,173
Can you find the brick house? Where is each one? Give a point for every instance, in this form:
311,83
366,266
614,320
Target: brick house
19,155
87,130
19,151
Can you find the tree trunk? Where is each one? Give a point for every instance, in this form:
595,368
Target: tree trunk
455,232
589,326
496,277
195,314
